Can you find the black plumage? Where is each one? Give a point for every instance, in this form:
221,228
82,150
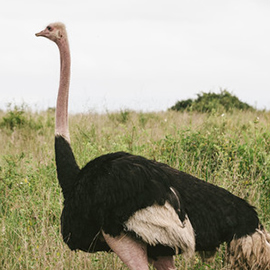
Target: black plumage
110,188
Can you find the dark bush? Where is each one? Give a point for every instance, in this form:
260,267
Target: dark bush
209,102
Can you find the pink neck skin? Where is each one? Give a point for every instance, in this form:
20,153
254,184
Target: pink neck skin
61,121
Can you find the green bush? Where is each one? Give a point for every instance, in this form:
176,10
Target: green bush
21,117
212,102
14,118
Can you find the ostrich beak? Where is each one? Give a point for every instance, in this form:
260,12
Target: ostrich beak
40,34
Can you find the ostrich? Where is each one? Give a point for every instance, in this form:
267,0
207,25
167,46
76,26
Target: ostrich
143,210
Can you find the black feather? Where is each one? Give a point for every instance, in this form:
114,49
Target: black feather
67,168
111,188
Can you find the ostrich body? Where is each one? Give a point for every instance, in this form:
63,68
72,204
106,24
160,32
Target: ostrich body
143,210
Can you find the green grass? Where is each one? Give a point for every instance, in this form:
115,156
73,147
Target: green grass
230,150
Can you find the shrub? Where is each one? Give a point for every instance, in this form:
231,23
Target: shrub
209,102
20,117
14,118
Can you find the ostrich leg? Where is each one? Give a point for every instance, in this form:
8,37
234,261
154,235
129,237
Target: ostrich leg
131,252
163,263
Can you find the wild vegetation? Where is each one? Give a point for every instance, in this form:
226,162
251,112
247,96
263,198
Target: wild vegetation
230,149
212,102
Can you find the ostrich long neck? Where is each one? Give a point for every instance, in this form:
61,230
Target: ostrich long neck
61,122
67,168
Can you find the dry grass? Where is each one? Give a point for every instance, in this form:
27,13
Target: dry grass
230,150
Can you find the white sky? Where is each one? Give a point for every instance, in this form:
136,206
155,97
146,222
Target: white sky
142,54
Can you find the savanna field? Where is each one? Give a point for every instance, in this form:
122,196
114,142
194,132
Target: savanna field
231,150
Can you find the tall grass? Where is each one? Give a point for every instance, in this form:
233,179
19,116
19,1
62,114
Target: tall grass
230,150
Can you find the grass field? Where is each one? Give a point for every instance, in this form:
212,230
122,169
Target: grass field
230,150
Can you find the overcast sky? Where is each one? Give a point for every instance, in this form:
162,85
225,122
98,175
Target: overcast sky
141,55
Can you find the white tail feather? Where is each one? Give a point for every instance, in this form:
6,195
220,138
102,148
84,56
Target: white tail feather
158,224
251,252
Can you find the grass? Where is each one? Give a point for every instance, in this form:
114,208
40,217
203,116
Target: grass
230,150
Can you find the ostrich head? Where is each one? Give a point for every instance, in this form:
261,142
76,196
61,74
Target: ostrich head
54,32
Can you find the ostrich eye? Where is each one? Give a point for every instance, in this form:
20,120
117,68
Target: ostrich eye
49,28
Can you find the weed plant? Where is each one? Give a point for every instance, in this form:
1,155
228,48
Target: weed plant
230,150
